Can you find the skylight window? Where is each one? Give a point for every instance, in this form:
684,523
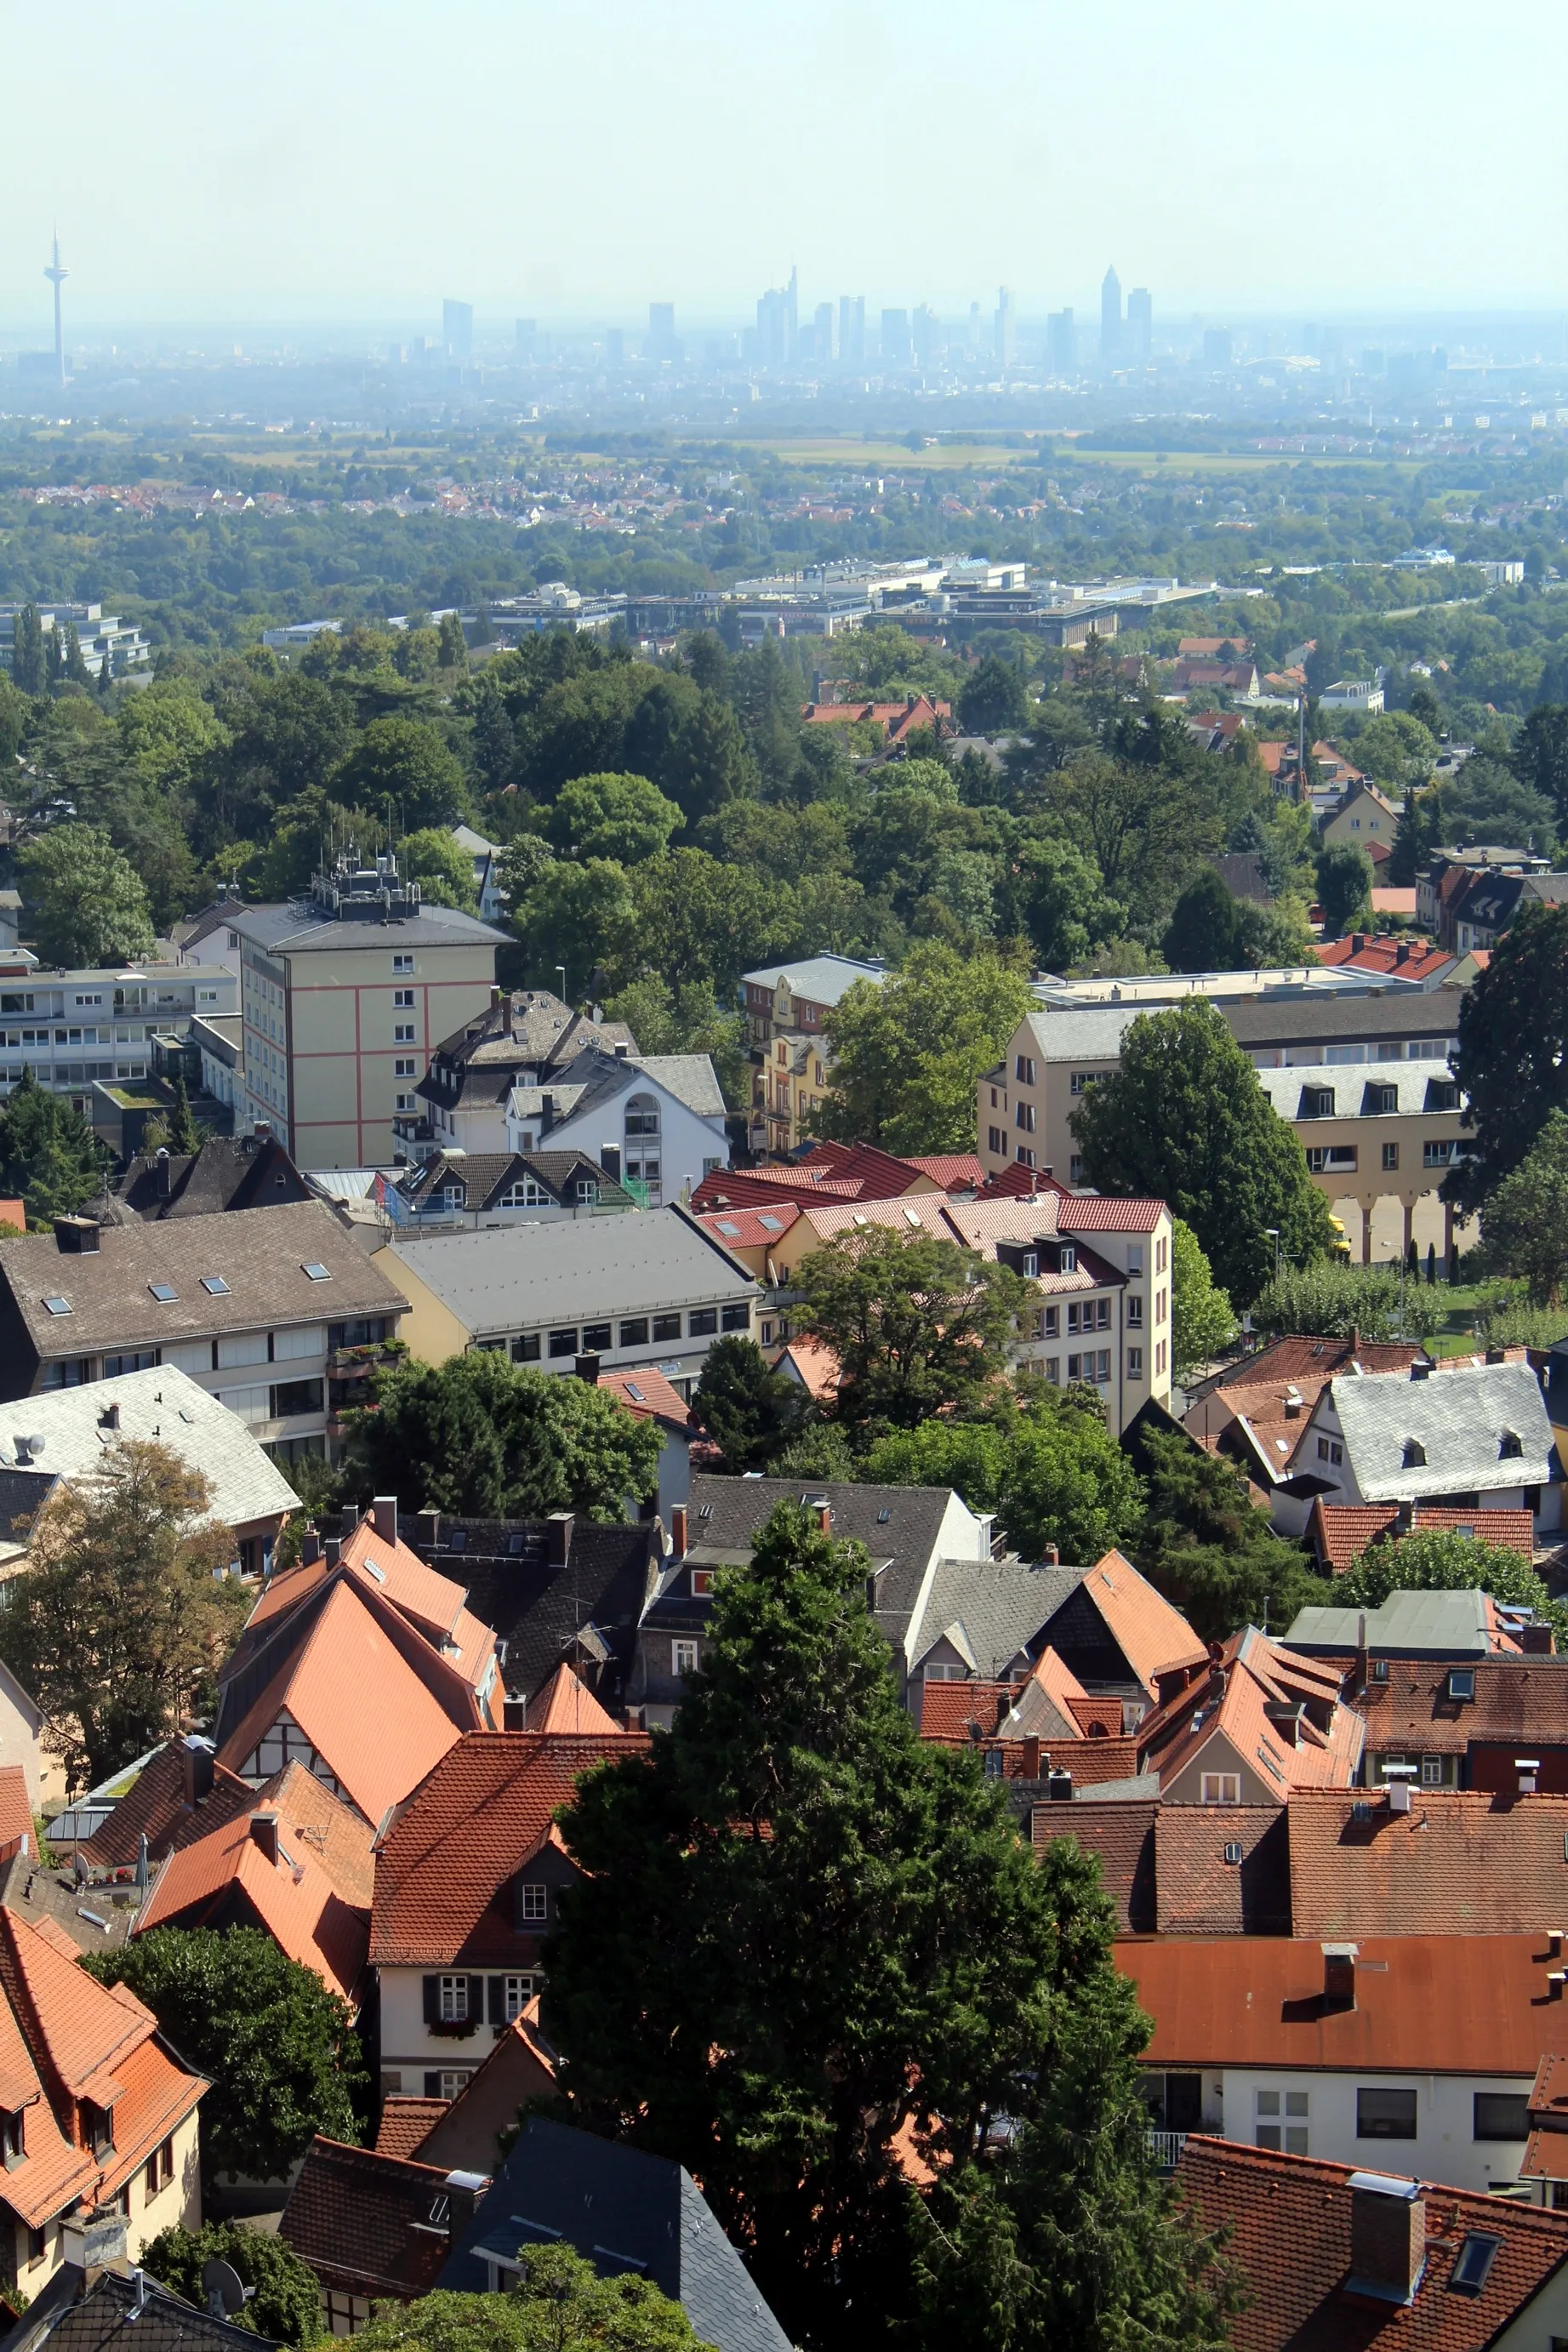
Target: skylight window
634,1392
372,1570
771,1224
163,1292
58,1306
724,1226
214,1285
1476,2255
316,1271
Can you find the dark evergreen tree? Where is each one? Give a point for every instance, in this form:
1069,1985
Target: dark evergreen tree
28,665
184,1135
48,1154
805,1940
750,1411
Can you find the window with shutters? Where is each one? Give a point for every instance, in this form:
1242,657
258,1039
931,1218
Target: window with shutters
454,2009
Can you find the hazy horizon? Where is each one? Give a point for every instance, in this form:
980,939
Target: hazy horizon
356,165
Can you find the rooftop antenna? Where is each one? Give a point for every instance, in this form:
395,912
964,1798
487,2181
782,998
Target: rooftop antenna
55,274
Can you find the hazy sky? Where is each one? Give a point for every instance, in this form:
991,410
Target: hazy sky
574,157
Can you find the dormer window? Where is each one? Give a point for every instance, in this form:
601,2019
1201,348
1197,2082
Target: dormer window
1511,1446
97,2127
533,1903
1415,1455
11,2144
1067,1258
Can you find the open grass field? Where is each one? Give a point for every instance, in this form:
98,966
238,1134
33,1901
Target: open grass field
846,451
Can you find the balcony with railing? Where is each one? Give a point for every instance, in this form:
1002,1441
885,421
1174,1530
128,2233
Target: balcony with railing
1165,2148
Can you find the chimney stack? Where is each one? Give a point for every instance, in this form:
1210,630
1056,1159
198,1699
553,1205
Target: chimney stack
1339,1975
558,1534
1537,1641
1387,2237
1361,1667
77,1236
349,1521
428,1530
310,1546
93,2241
332,1551
162,1165
1405,1518
825,1517
195,1770
1059,1786
263,1829
109,1417
679,1531
383,1517
587,1368
1032,1757
1050,1555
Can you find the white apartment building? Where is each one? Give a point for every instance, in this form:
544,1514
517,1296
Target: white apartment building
74,1029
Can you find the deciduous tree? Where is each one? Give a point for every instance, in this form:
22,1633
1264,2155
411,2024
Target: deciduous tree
1185,1119
86,903
917,1325
125,1613
281,2051
1512,1061
1202,1325
909,1053
286,2302
559,2304
1524,1223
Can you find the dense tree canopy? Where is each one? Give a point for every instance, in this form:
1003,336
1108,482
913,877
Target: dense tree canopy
559,2304
1185,1119
286,2302
908,1051
85,903
947,1978
1512,1062
916,1324
49,1156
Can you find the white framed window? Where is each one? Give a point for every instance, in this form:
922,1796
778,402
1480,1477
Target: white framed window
519,1991
404,1102
1281,2121
528,1193
404,1069
1135,1311
1220,1788
453,2001
682,1657
455,2081
402,963
403,1032
536,1903
402,998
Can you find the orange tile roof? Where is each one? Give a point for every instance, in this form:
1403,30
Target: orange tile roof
1230,1704
950,1168
1288,2224
1121,1831
16,1811
372,1719
567,1704
450,1851
156,2094
363,2221
405,2123
393,1572
1458,1863
314,1901
1199,1893
648,1395
1424,2004
1343,1531
740,1227
1151,1635
816,1364
948,1710
1092,1762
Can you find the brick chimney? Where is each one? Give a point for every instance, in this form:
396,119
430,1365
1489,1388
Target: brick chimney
1537,1641
1387,2237
1339,1975
93,2241
310,1546
263,1829
1050,1555
383,1517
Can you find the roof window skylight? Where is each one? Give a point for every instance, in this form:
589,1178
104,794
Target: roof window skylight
58,1306
316,1271
214,1285
163,1292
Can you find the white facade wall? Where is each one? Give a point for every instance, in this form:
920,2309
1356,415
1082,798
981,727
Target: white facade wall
1445,2147
686,1149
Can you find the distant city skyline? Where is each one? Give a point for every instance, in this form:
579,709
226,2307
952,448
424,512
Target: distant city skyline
350,164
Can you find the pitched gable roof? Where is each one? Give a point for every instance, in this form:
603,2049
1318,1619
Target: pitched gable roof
1522,1700
368,2223
454,1847
1458,1864
1121,1832
1462,1421
1341,1532
566,1704
157,1806
1266,1704
541,1605
1151,1636
376,1723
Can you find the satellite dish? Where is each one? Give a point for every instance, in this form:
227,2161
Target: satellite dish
225,2292
35,1446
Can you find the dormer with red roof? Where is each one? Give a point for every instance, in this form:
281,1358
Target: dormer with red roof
468,1875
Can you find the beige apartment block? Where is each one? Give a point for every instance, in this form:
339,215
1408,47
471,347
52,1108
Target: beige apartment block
786,1006
343,999
1362,1075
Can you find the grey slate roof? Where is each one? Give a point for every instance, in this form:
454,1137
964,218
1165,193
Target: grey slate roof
226,1172
592,1078
538,1607
1000,1605
528,1277
485,1175
725,1514
305,929
1460,1419
1407,1625
261,1254
617,2205
244,1482
820,980
69,2317
1419,1088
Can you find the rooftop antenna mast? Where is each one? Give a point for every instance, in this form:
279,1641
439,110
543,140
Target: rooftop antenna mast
55,274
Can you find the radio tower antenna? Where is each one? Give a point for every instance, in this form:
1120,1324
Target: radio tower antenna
55,274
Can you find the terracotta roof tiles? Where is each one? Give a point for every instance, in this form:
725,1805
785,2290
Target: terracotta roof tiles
1456,1865
446,1860
1151,1636
1289,2218
1121,1832
1516,1699
1341,1532
406,2123
368,2222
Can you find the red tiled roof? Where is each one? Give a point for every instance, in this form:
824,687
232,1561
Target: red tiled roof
742,1227
1289,2218
1343,1531
1424,2004
567,1704
406,2123
1092,1762
16,1811
647,1395
446,1861
1230,1706
1522,1700
390,1571
950,1168
373,1719
948,1710
815,1364
313,1901
1458,1864
154,1806
363,2221
1151,1635
1121,1831
1200,1892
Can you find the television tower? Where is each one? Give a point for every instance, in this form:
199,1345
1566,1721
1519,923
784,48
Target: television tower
54,273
